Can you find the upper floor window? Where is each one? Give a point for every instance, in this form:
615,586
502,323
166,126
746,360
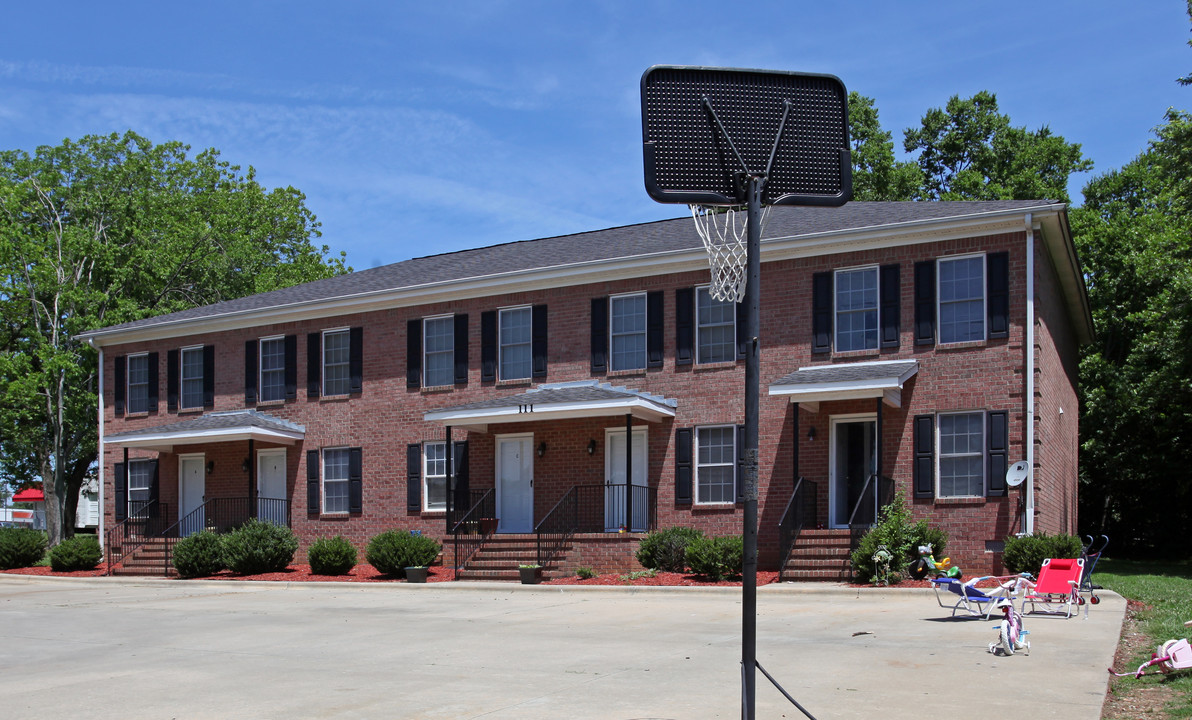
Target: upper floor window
715,328
627,331
335,480
961,454
273,369
856,309
191,361
138,383
336,362
715,464
962,299
516,336
439,350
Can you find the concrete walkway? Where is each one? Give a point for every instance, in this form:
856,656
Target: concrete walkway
113,648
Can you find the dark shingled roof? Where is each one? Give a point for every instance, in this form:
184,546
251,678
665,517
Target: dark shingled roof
583,391
215,421
611,244
847,373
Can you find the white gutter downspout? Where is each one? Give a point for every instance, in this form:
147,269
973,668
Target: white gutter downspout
1030,375
100,530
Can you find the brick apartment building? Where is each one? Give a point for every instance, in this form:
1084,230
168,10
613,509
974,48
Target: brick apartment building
909,348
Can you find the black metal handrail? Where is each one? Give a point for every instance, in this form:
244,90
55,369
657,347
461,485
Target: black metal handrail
470,530
594,508
222,515
877,492
557,526
800,511
145,521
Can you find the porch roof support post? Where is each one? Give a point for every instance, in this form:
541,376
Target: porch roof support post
252,481
450,480
127,504
629,471
877,462
795,448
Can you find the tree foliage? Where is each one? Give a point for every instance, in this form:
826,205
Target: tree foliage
111,229
876,174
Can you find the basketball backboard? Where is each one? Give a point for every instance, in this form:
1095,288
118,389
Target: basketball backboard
704,130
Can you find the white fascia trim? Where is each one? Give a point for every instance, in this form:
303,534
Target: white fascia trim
555,411
643,265
150,439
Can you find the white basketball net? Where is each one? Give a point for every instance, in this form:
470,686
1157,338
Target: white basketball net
724,232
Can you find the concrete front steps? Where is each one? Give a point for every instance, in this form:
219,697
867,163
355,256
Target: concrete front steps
149,560
819,555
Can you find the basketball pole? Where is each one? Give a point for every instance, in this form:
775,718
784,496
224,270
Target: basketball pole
752,300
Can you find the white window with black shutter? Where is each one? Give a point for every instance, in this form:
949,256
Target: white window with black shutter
715,328
272,382
340,490
961,293
960,454
136,488
516,358
438,344
715,464
191,375
964,298
434,476
139,382
856,309
336,362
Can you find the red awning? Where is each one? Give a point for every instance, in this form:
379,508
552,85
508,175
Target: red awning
29,495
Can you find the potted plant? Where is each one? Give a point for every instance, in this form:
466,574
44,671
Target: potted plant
530,574
416,574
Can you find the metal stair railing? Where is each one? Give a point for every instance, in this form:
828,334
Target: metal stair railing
144,523
800,511
877,492
469,531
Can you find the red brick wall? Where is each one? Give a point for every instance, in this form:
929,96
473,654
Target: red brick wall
387,416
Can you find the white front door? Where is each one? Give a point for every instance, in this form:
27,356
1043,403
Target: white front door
515,483
852,461
271,486
614,481
192,485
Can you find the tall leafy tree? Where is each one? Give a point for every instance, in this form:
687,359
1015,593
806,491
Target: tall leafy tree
876,174
111,229
970,151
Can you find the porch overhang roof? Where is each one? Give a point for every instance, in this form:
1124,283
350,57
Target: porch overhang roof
557,401
818,383
214,427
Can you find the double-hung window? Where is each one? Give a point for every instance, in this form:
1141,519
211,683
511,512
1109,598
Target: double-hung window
438,342
627,331
434,475
516,325
961,455
138,383
191,373
335,480
273,369
962,299
716,464
140,480
336,361
856,309
715,328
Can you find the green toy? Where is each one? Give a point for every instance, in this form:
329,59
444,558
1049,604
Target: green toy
927,564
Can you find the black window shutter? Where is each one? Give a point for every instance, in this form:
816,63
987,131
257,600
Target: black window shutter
459,465
924,456
291,349
997,442
314,364
740,474
121,383
356,360
655,316
414,476
997,267
683,466
172,380
821,312
250,372
154,485
461,349
925,302
742,323
312,481
600,334
488,346
121,495
153,380
538,340
685,328
891,301
355,480
414,353
208,376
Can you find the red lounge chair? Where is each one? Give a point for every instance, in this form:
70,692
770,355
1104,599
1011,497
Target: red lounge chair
1058,586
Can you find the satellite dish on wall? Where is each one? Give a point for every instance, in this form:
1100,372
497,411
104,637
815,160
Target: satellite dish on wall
1017,473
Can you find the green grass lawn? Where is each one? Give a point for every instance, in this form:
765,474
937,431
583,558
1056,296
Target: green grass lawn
1165,589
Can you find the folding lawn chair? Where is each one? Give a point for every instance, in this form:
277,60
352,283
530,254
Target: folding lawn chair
1058,585
977,602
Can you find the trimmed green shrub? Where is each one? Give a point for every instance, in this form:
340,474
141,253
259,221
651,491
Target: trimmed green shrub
21,547
902,538
393,551
585,573
199,555
716,557
1027,553
81,552
259,547
331,556
666,550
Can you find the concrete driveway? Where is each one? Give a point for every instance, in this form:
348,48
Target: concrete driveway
112,648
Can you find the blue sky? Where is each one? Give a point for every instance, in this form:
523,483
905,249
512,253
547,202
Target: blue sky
417,128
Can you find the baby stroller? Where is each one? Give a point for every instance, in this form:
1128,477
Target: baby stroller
1090,557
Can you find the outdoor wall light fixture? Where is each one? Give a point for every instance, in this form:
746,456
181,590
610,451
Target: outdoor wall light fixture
244,465
592,446
541,449
210,466
811,433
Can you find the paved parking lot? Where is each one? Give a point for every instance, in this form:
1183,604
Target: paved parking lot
110,648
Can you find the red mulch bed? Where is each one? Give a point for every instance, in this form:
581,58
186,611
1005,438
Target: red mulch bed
45,570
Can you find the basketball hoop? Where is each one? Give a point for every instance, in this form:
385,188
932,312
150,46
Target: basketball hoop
724,232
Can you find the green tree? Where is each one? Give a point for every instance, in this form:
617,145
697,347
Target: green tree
876,174
969,151
111,229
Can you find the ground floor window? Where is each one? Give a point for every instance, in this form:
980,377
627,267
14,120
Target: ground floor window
335,480
434,475
140,482
716,464
961,455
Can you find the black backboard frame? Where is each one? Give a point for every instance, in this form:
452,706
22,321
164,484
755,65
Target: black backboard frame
694,156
